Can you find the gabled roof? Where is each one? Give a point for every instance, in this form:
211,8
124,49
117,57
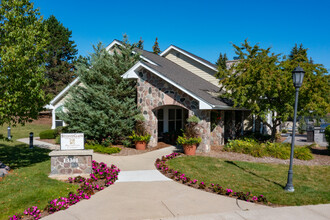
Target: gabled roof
183,79
192,56
188,82
61,94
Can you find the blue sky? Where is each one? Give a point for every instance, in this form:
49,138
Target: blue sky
204,27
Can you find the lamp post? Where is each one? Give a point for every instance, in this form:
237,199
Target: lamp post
297,76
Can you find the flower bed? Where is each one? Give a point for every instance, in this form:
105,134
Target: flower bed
101,176
214,188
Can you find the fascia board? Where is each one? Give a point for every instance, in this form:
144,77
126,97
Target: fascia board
188,55
113,43
63,92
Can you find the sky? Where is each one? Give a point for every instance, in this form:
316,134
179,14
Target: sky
205,28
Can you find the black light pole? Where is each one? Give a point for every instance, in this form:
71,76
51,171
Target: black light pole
297,76
31,140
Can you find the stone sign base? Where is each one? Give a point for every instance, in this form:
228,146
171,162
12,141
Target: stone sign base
70,163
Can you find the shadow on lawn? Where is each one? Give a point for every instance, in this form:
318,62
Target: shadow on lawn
254,174
21,156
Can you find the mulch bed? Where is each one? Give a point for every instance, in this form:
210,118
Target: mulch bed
128,151
321,156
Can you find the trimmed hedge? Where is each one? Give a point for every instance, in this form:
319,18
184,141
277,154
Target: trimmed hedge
101,149
48,134
277,150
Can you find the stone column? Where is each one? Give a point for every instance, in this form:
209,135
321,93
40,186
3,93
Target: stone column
204,127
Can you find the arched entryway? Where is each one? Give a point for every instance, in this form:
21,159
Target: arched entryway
170,122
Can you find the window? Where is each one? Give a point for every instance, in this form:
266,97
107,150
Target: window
160,117
175,122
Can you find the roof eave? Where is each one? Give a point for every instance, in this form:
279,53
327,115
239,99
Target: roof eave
131,74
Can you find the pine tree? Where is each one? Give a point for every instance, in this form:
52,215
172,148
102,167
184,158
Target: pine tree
104,104
155,48
221,62
61,54
140,44
299,53
22,45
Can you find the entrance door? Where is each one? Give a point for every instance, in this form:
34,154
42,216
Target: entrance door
171,119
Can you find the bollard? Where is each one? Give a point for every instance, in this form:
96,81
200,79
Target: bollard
9,133
31,140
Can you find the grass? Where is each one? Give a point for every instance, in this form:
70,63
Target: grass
28,183
20,131
30,186
16,154
311,182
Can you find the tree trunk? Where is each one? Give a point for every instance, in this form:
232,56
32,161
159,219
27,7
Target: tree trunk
273,133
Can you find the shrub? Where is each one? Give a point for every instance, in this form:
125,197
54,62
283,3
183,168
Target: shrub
278,150
284,131
58,140
47,134
101,149
106,142
126,143
327,136
135,137
183,140
303,153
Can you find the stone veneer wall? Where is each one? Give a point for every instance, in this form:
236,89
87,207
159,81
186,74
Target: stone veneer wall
217,134
153,92
66,164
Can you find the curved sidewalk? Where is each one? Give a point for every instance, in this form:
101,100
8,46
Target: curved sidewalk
141,192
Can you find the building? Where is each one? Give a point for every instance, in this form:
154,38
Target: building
171,87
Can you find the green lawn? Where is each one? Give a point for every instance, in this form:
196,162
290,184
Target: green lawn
311,182
28,184
20,131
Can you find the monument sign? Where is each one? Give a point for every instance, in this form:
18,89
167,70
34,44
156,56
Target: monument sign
72,141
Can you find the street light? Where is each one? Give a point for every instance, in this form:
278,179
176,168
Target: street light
297,76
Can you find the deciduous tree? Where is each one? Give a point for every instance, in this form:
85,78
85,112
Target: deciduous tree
22,46
262,82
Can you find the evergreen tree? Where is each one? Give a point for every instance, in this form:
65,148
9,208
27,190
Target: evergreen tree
60,57
140,44
298,53
221,62
104,104
155,48
22,46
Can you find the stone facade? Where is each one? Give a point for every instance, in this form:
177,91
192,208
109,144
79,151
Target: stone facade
217,130
66,164
154,93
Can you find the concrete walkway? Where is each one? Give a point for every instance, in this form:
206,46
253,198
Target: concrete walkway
38,143
141,192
